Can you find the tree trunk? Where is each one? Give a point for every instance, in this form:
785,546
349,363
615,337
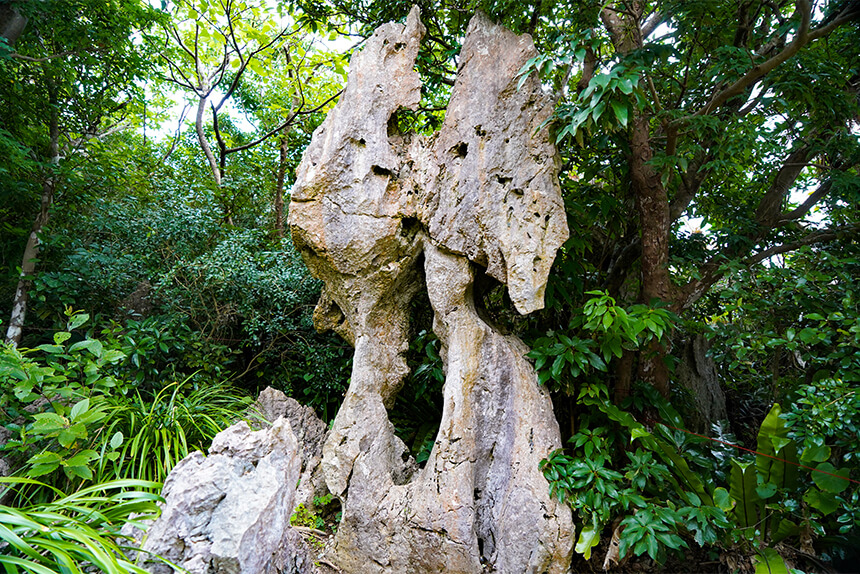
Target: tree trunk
279,188
31,250
652,203
204,144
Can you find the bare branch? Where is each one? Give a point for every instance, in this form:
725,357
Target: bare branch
652,23
851,11
801,210
691,182
770,206
820,236
18,56
694,290
287,122
175,139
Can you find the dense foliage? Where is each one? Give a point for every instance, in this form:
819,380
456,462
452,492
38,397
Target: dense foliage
710,159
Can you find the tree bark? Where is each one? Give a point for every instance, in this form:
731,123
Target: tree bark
652,203
204,144
279,188
31,250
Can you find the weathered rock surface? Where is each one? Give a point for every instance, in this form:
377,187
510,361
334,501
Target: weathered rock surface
230,512
493,185
310,432
481,196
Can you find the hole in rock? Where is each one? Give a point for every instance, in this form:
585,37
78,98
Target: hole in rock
417,411
460,150
426,120
399,46
503,180
494,306
381,171
409,227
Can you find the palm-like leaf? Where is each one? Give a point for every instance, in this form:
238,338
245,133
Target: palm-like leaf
74,533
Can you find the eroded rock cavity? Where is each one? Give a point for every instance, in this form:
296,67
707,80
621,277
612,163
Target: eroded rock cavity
480,196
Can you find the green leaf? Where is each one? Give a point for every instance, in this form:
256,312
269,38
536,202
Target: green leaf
638,433
91,416
45,458
824,502
815,453
80,407
783,530
768,561
808,335
589,537
682,469
82,458
41,469
80,471
823,477
51,349
92,345
113,355
620,113
66,438
61,337
765,491
47,423
722,499
772,433
742,490
77,320
116,440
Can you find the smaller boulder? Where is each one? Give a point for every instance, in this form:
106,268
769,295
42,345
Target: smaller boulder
229,512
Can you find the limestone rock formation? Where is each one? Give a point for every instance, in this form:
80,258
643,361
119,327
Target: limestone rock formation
310,432
481,196
229,512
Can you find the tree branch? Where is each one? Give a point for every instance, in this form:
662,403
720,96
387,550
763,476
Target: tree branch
810,202
18,56
694,290
820,236
287,122
803,8
770,207
652,23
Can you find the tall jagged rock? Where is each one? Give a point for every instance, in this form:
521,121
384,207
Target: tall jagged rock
481,196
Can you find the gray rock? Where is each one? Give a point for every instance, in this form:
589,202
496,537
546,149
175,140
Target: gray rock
481,196
311,434
229,512
494,195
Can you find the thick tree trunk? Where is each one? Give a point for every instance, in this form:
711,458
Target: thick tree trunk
31,250
279,188
652,203
12,24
